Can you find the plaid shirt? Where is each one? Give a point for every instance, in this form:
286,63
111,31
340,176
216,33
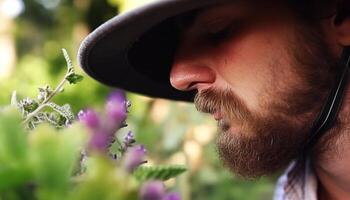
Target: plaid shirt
297,183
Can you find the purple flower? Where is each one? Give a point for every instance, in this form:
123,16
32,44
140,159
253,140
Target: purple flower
129,137
99,141
117,107
117,96
172,196
128,141
154,190
134,157
103,128
90,118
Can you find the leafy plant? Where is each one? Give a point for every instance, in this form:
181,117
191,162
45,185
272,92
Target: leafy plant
33,109
47,154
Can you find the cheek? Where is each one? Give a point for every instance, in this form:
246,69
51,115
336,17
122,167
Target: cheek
254,64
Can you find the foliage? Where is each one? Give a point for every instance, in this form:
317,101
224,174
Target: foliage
39,165
159,172
32,109
166,128
42,159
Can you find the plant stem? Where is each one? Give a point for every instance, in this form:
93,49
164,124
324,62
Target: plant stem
120,146
43,104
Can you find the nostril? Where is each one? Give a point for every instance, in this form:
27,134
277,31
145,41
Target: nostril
189,77
192,86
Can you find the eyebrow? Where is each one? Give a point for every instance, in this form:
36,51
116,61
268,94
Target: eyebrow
200,15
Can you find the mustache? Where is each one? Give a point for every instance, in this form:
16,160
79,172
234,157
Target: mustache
224,101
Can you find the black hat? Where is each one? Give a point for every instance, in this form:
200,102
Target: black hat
134,50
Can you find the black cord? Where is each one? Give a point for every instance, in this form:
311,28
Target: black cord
329,112
326,117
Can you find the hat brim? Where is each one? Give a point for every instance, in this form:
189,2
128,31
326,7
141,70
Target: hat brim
134,50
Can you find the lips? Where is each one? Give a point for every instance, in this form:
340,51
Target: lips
224,126
222,123
217,116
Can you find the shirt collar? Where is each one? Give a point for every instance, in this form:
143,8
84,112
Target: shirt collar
297,182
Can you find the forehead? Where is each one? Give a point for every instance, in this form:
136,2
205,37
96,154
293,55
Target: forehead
231,8
212,14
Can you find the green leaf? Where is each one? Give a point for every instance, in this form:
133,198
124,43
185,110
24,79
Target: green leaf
68,60
74,78
13,139
29,105
158,172
104,181
14,101
64,110
14,168
54,155
13,175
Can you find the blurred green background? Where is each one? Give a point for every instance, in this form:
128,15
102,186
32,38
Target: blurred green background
32,33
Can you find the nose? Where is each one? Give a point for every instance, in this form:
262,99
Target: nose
189,74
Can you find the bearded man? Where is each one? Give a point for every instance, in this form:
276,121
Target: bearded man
273,74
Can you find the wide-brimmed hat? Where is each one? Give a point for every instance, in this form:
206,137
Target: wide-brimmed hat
134,50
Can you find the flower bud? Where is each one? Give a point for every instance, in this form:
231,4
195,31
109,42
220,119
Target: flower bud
99,141
134,157
154,190
116,107
129,140
172,196
90,118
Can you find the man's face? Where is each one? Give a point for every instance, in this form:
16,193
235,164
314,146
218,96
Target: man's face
262,74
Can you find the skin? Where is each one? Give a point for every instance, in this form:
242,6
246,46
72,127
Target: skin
252,58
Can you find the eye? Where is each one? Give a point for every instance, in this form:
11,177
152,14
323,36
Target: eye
221,34
226,31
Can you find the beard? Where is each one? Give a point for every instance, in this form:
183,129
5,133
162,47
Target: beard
252,144
256,143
